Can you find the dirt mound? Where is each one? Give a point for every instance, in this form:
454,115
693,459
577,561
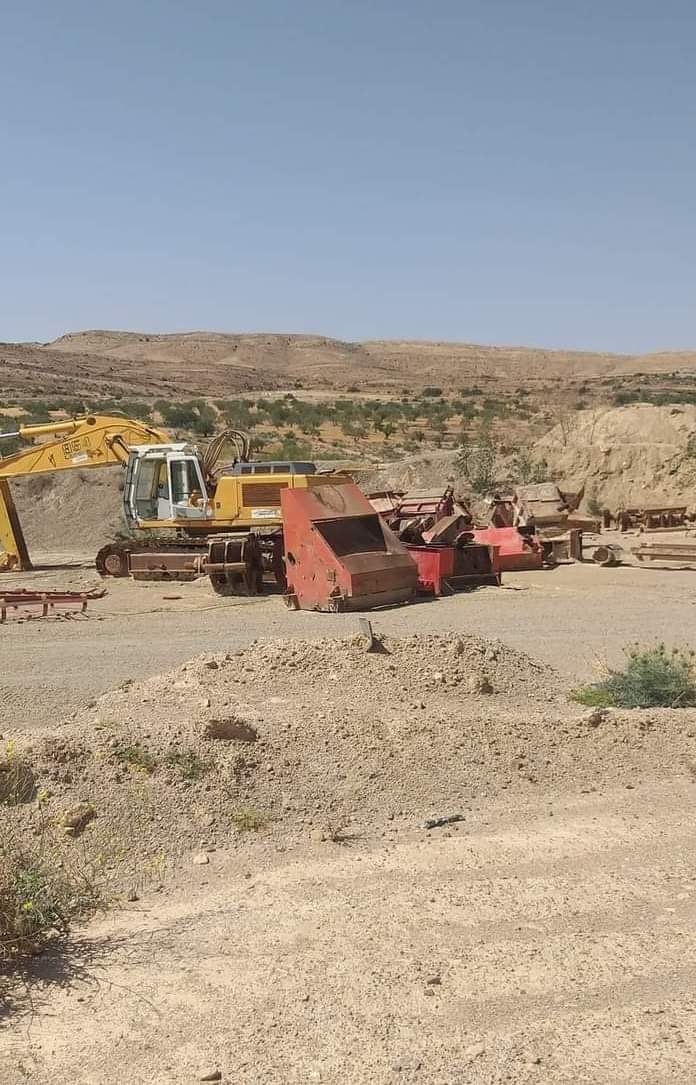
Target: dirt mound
322,736
638,454
79,511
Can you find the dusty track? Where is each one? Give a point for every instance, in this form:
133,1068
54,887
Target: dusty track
562,935
557,917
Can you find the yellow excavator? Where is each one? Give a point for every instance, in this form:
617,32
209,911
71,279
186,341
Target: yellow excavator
78,443
193,512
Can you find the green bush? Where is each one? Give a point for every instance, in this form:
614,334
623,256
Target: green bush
40,893
594,505
10,445
135,758
478,461
190,764
196,416
652,678
527,470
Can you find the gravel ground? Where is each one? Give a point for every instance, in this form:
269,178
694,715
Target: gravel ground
546,937
546,945
568,617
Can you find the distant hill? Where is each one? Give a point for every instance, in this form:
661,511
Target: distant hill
217,364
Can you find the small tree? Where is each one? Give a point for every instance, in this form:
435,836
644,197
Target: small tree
478,464
527,470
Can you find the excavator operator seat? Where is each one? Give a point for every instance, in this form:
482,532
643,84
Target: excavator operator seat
165,483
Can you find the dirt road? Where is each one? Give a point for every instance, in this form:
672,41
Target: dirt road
567,617
547,938
550,944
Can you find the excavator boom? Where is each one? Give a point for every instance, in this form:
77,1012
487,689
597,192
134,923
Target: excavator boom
78,443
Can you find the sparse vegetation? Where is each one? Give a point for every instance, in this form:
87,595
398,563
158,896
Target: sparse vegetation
16,777
249,820
478,463
189,764
594,505
40,893
338,831
136,758
526,469
653,677
288,426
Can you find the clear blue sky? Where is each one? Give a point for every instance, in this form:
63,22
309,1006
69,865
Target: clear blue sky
509,171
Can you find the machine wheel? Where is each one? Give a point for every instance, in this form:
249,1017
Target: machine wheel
228,553
221,585
112,560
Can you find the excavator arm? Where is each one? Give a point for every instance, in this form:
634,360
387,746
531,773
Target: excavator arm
78,443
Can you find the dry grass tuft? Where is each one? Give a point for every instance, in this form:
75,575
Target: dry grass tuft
41,892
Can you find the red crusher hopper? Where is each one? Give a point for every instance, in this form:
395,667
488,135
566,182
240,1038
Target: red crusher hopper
339,554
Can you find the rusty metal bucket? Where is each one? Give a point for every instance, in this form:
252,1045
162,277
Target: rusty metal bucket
339,553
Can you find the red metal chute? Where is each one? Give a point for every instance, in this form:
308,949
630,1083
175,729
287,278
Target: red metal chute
339,554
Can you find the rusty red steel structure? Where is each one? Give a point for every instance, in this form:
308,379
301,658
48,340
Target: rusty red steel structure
339,553
446,569
21,603
517,550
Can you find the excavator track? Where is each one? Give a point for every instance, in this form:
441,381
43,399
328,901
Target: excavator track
234,563
114,558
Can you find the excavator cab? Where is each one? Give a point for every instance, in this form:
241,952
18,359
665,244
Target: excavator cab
165,484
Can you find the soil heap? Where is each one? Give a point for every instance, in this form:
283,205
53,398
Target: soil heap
291,737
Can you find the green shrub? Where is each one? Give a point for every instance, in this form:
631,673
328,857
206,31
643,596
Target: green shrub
136,758
17,783
652,678
594,505
195,415
478,463
190,764
40,893
527,470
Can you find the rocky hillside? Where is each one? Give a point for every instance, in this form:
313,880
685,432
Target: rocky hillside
633,455
209,364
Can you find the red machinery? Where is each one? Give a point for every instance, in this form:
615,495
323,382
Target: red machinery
339,554
517,550
428,520
444,569
438,531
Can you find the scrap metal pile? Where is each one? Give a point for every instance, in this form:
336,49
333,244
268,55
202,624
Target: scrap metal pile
22,604
313,534
527,529
680,552
438,532
648,518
